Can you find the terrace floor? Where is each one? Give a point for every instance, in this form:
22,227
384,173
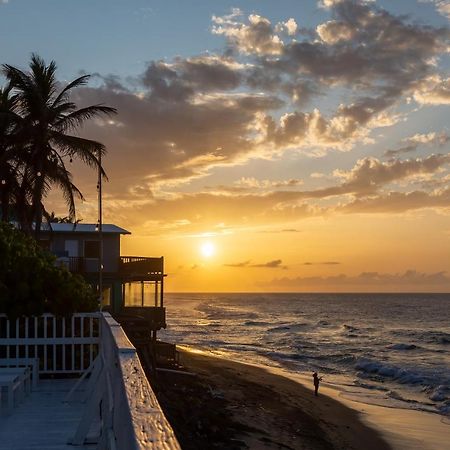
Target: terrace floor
42,421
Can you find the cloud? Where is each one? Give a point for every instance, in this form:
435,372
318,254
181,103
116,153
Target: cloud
240,264
369,187
413,142
370,174
366,280
289,26
433,90
442,6
253,183
283,230
257,36
183,117
332,32
398,202
275,264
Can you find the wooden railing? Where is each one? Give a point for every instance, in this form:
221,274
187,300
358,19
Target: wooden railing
63,345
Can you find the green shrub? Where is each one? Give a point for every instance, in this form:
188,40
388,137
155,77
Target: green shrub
31,283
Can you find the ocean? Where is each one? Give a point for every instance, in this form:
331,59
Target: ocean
386,349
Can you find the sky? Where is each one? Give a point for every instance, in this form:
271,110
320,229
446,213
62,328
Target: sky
296,145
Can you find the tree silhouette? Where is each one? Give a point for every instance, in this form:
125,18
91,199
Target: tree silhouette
40,139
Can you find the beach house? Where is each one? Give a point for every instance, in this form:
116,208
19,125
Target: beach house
132,285
76,380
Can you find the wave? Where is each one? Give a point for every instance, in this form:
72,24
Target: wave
402,346
428,336
289,327
256,323
399,374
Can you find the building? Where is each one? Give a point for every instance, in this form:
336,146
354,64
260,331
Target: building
132,285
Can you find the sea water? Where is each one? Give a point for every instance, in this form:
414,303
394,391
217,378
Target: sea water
388,349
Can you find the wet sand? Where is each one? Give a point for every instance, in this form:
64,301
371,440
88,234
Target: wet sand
229,405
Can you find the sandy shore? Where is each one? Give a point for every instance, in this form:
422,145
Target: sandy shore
229,405
403,429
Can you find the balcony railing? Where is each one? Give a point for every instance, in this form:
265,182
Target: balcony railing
117,400
74,264
134,265
129,266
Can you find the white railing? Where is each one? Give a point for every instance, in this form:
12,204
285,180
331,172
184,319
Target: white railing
120,399
117,394
63,345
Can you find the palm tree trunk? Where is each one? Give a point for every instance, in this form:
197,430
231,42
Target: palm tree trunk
5,204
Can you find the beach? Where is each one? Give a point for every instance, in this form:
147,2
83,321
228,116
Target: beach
225,404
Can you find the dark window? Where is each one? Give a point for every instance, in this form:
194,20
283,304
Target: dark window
91,249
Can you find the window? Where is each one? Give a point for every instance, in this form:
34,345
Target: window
91,249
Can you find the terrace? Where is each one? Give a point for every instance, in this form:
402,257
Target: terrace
108,405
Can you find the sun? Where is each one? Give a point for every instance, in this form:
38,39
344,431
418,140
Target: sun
207,249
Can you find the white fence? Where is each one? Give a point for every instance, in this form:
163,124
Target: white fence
63,345
117,395
121,400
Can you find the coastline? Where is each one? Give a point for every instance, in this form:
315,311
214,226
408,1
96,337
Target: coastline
232,405
402,429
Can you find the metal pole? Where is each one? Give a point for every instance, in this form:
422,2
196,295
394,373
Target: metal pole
100,231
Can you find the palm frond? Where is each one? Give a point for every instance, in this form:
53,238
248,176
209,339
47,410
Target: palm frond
78,117
80,81
84,149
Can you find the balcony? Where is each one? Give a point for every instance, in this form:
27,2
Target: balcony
141,268
132,268
111,406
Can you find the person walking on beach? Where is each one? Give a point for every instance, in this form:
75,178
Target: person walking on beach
316,381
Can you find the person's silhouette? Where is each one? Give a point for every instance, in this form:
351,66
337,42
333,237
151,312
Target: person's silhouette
316,381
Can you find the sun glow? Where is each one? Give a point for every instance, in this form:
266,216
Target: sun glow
207,249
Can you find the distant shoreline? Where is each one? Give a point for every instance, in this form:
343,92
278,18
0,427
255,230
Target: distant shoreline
309,292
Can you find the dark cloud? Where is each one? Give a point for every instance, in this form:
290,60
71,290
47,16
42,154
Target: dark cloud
370,174
400,151
275,264
398,202
240,264
182,117
364,48
412,143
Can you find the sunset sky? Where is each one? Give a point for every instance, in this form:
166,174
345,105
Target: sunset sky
290,145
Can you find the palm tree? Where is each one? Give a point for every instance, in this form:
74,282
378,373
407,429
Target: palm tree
47,121
8,153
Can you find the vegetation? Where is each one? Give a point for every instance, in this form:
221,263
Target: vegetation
37,140
32,284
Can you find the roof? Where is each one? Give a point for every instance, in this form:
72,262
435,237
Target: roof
83,228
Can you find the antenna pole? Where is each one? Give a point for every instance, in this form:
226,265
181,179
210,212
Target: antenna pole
100,231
